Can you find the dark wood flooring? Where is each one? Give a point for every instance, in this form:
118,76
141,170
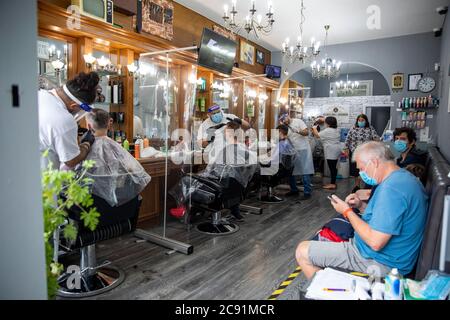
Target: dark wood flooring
249,264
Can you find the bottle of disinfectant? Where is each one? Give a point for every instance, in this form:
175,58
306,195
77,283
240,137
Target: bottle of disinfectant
393,285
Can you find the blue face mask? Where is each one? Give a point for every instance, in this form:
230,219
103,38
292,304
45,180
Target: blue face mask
367,179
401,146
361,124
217,117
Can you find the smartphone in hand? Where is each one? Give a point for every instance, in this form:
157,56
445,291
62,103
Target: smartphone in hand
331,199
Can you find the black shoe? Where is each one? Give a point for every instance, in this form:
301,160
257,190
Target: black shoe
238,217
292,194
306,197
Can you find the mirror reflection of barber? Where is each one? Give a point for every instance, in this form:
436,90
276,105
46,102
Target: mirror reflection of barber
214,126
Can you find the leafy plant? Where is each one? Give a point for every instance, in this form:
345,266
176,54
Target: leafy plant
62,190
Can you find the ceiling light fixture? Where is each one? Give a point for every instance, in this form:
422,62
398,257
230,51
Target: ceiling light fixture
329,68
301,52
253,24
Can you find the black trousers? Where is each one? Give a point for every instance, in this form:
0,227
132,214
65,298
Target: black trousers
332,164
354,172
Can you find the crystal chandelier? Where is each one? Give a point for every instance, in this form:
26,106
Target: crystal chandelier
253,23
329,68
301,52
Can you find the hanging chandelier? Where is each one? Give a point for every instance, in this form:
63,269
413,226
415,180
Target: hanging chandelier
253,23
346,87
329,68
301,52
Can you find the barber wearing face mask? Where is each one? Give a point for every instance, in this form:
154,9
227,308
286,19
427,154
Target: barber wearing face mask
215,124
59,111
405,144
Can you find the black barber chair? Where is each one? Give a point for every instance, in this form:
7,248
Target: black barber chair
286,167
213,197
94,278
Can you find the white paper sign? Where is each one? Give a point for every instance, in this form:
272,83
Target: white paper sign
340,112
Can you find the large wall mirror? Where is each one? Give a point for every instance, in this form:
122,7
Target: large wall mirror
52,62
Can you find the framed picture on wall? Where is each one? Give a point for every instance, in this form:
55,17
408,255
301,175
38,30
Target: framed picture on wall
397,81
260,57
247,53
413,81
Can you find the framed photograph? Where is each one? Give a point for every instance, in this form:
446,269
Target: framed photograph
397,81
260,57
413,81
157,18
247,53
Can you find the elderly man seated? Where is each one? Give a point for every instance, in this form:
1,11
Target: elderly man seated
390,231
117,176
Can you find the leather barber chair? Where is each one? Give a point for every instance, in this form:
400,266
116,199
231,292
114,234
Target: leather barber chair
269,182
99,278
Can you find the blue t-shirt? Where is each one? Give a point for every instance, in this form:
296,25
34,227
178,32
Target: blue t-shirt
399,208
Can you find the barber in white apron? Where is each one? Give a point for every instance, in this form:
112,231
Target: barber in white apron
304,166
59,111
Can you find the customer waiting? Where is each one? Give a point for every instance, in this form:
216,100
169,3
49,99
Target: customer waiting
389,233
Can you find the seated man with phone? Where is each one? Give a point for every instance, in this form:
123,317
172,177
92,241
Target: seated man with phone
390,231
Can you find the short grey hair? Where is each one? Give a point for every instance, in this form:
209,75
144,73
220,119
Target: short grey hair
373,150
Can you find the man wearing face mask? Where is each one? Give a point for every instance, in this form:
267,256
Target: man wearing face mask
405,143
59,111
390,231
217,120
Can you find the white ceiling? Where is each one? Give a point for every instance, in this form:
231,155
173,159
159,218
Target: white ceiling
348,18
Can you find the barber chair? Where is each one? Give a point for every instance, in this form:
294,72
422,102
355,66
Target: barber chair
285,170
99,278
214,197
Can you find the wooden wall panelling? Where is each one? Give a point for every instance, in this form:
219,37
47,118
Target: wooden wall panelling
85,46
54,18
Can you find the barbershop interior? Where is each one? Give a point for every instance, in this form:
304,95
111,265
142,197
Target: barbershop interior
225,150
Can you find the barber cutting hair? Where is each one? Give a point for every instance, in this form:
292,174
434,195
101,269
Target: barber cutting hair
59,111
304,167
215,125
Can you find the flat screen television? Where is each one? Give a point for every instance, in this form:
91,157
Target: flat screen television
216,52
272,72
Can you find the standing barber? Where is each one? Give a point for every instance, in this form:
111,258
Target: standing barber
59,110
217,120
298,134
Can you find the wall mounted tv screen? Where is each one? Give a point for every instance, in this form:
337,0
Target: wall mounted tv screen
272,72
217,52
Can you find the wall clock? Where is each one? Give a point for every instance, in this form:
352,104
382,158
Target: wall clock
426,84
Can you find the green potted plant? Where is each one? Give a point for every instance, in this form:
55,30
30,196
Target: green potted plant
62,190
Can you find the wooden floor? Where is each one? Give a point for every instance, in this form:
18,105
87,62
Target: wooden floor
249,264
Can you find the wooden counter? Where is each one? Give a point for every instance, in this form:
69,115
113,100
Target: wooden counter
153,195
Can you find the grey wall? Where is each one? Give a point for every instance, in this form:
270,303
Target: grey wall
443,120
380,85
409,54
306,79
22,257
